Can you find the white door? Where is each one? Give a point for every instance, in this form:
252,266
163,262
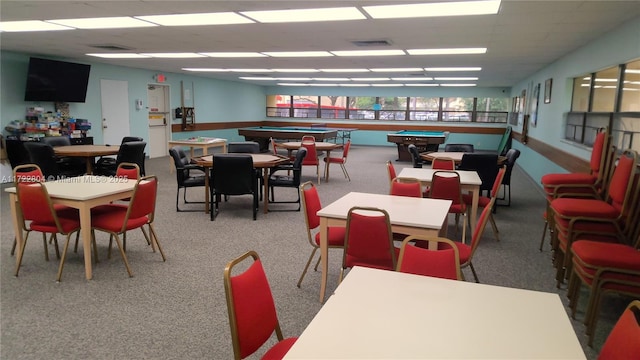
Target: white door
114,96
159,116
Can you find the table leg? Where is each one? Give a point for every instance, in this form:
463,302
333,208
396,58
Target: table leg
326,166
324,255
16,219
206,190
265,181
85,229
474,208
89,162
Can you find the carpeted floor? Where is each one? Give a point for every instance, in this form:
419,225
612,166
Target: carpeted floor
177,309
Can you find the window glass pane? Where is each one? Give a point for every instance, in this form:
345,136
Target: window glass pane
581,93
457,109
604,90
626,132
361,107
494,110
393,108
424,109
278,105
333,107
305,106
631,87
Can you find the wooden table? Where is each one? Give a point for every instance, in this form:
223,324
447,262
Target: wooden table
203,143
408,215
88,152
455,156
320,146
470,181
82,193
381,314
260,161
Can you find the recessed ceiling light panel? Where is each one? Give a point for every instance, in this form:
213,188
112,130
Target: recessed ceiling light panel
103,23
305,15
458,8
222,18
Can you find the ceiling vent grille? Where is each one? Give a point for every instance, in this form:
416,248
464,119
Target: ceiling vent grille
367,43
111,47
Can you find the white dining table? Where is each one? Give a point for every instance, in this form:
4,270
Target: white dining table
408,215
469,180
382,314
82,193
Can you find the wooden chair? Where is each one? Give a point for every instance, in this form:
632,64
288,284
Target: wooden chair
406,187
309,142
342,160
622,342
442,262
484,201
446,185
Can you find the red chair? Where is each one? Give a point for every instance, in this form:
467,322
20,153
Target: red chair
443,163
406,187
368,241
252,311
309,143
580,184
311,205
446,185
623,341
605,218
342,160
127,170
484,201
37,209
442,262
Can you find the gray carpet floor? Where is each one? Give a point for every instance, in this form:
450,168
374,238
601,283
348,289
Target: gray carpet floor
177,310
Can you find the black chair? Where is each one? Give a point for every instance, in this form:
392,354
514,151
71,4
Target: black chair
512,155
233,174
415,156
247,147
467,148
287,181
130,152
486,165
187,175
69,165
17,152
110,161
43,155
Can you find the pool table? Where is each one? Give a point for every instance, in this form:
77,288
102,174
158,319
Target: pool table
423,140
262,134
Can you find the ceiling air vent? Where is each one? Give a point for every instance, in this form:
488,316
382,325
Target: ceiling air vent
365,43
111,47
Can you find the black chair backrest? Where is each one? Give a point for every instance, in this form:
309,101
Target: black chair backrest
512,155
132,152
56,140
247,147
297,165
130,139
180,159
415,156
233,174
486,165
467,148
17,153
42,154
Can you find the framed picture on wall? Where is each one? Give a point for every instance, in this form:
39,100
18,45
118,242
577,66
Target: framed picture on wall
547,90
534,105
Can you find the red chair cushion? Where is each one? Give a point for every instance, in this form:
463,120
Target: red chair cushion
279,350
111,217
606,254
482,200
464,250
335,236
570,178
383,264
334,160
67,225
569,207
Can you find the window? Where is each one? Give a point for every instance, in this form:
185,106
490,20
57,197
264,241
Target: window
604,90
362,107
333,107
424,109
492,110
457,109
631,87
392,108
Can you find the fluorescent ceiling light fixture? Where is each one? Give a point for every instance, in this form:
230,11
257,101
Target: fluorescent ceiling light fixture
433,85
174,55
205,69
119,56
632,71
103,23
455,78
290,84
354,85
458,85
257,78
606,79
630,89
453,69
323,84
305,15
387,85
396,69
344,70
424,78
293,78
297,70
368,52
371,79
252,70
298,53
452,51
233,54
433,9
221,18
331,79
30,25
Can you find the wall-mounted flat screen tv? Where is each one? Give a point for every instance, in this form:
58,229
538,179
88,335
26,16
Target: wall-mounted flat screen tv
57,81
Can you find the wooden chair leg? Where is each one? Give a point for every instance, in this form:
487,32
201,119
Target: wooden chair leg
306,267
